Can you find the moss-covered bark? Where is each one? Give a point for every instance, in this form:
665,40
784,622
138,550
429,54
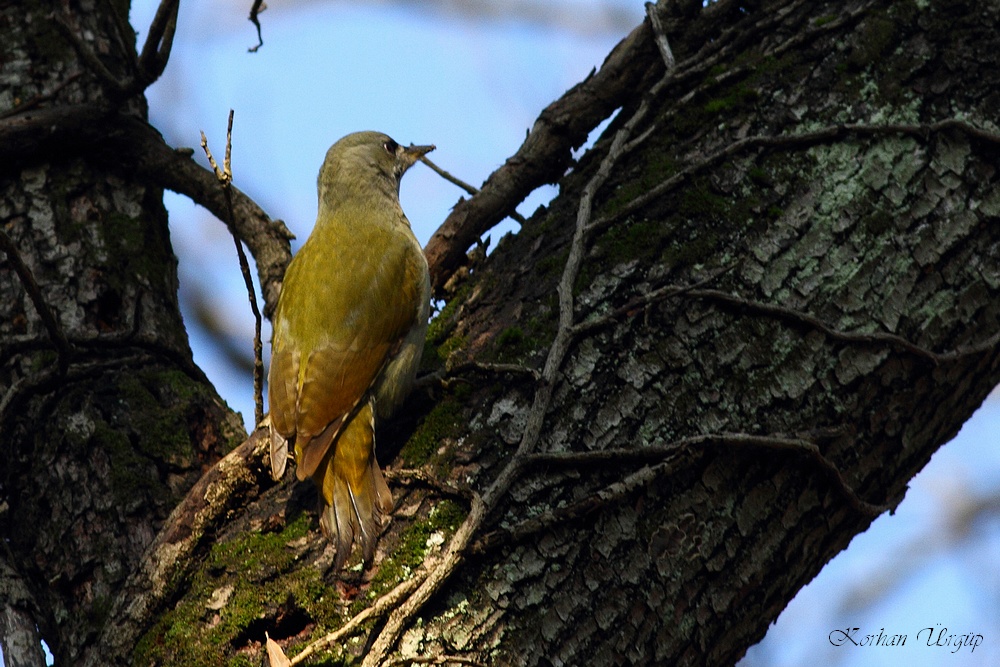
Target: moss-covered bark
868,232
845,281
99,441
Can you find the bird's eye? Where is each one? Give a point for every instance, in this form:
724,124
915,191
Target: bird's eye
390,147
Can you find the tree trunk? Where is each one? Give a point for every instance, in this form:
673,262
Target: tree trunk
757,307
105,420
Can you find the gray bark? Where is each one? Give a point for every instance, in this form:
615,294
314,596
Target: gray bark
668,401
105,422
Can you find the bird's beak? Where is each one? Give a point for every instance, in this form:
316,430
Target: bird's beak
412,153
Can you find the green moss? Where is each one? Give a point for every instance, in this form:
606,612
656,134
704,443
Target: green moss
699,202
141,245
158,402
739,97
511,337
700,247
759,177
48,43
440,343
517,343
774,212
412,548
444,322
262,571
552,265
44,359
657,166
449,347
636,240
444,421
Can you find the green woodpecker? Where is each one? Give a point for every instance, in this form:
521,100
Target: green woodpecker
348,332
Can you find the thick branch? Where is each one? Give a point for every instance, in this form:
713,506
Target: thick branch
545,153
136,148
229,485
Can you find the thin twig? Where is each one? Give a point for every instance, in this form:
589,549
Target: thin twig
565,124
602,498
781,312
255,10
377,610
225,176
791,314
437,574
471,189
51,378
159,40
660,35
437,660
118,85
450,372
745,439
642,302
38,301
658,460
487,367
410,476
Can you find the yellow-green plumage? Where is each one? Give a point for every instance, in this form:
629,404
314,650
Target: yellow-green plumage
348,332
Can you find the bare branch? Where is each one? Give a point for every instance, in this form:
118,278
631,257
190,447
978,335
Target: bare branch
457,547
793,315
659,460
660,35
641,303
411,476
462,184
382,606
438,572
564,125
115,84
37,100
544,155
137,150
225,176
602,498
437,660
255,10
823,135
159,41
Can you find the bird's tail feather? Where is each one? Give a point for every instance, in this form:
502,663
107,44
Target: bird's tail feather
355,494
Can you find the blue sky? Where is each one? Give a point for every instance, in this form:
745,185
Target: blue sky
473,87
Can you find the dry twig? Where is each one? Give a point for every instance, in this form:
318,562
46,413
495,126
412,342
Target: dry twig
472,190
658,460
255,10
225,176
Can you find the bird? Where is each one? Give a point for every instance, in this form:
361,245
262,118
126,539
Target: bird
348,332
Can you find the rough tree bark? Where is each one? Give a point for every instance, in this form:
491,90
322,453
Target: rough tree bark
759,304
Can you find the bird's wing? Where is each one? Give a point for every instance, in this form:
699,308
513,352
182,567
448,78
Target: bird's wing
330,346
335,381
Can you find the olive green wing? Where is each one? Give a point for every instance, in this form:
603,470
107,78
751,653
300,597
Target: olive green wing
343,311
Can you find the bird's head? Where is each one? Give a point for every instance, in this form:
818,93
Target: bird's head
365,162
